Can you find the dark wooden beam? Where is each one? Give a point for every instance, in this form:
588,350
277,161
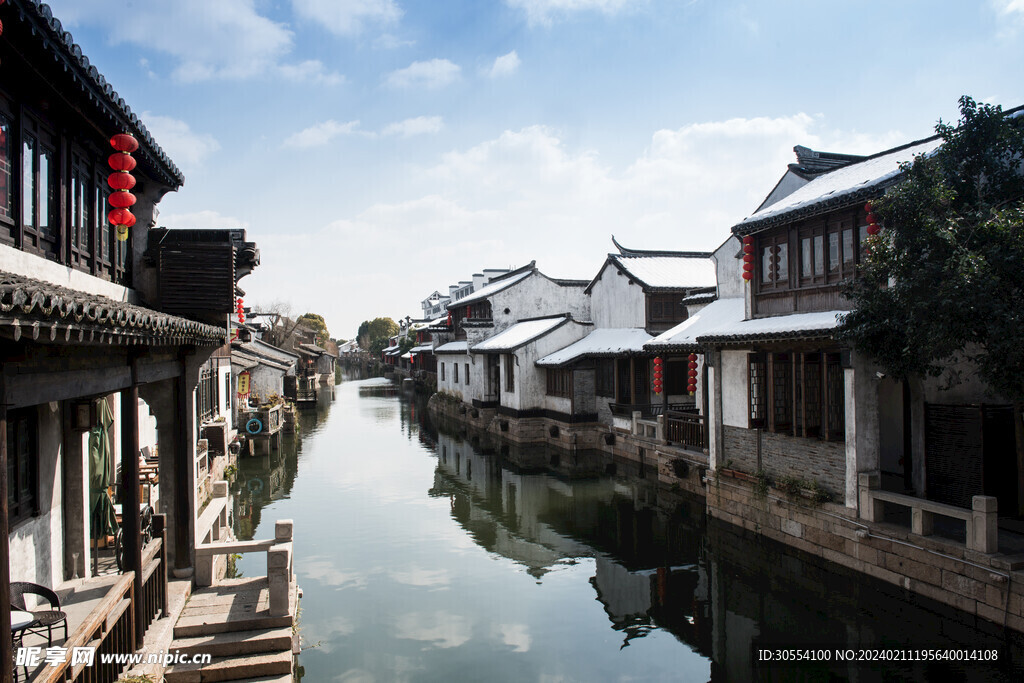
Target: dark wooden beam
131,528
6,644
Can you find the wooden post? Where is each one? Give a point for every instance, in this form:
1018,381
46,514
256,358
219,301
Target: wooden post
6,645
131,527
182,480
160,531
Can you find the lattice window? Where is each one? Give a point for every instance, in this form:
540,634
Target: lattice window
758,389
782,392
812,392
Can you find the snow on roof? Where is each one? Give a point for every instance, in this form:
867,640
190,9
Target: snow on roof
407,355
519,334
705,321
845,182
421,348
775,327
392,350
453,347
669,272
603,342
492,289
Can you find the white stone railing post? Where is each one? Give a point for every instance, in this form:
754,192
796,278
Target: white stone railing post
983,529
871,509
279,568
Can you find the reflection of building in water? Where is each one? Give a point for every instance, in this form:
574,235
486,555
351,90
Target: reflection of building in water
649,572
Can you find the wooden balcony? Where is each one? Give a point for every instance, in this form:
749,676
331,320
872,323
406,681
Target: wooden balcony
101,614
686,429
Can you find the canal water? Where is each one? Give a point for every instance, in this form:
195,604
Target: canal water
429,554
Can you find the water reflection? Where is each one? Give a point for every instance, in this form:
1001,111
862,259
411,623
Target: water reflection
430,553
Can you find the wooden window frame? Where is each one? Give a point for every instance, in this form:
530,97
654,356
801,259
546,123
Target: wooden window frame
658,304
797,393
559,382
757,390
510,372
604,377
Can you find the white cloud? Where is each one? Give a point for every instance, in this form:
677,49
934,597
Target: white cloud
505,65
526,194
440,629
186,148
545,11
348,17
210,220
310,71
420,125
1010,7
433,74
320,134
227,39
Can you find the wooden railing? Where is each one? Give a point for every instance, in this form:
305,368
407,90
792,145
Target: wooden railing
686,429
646,410
110,628
154,573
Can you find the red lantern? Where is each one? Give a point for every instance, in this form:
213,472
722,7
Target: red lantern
121,217
748,267
1,28
867,208
748,248
693,365
748,276
749,239
121,180
657,375
692,357
119,161
123,142
122,199
691,388
748,258
873,229
657,360
871,218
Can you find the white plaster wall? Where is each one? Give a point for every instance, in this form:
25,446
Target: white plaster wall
787,185
147,426
448,383
735,412
223,372
536,296
22,263
614,303
530,380
729,269
36,544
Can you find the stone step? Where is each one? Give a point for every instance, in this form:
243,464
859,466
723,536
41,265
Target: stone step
269,666
205,625
236,642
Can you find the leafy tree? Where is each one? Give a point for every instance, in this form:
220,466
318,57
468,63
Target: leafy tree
374,334
316,322
945,279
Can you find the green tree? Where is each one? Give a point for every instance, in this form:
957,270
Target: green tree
316,322
374,334
945,278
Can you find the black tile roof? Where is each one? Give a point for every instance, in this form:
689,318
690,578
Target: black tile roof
42,310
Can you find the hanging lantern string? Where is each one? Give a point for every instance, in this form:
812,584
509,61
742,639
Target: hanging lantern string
121,181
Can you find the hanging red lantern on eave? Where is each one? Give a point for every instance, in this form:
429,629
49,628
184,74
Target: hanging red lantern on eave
121,180
122,199
124,142
121,217
120,161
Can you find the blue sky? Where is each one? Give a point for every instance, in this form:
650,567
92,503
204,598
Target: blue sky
377,150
